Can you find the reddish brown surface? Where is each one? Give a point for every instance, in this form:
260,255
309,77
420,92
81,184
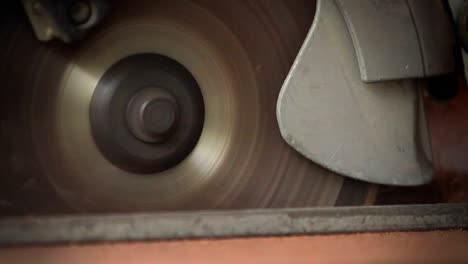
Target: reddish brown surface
448,128
447,122
427,247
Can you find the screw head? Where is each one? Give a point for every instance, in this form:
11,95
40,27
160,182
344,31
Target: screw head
80,12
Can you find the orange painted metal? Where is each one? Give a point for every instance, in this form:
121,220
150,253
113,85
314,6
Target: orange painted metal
448,130
413,247
447,123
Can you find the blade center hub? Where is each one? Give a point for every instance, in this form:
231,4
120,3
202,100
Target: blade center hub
147,113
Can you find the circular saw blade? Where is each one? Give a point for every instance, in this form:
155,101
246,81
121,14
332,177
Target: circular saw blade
239,52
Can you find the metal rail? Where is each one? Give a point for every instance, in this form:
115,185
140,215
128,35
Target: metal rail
221,224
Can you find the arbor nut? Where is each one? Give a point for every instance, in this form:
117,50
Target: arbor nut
159,116
152,115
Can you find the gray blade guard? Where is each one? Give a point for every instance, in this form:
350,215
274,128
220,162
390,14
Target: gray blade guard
371,131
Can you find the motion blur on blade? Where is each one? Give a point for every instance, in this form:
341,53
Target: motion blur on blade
126,106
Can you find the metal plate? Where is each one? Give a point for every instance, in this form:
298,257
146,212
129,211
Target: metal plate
400,39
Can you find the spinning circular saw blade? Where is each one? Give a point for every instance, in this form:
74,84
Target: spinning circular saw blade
238,52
